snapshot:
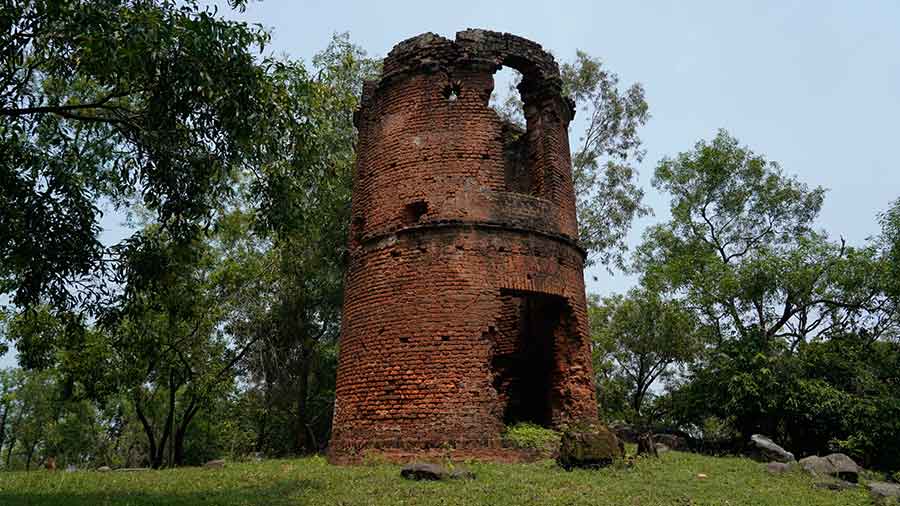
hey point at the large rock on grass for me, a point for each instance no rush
(883, 492)
(673, 441)
(625, 432)
(589, 446)
(836, 465)
(215, 464)
(765, 450)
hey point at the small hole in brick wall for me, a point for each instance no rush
(414, 211)
(445, 338)
(395, 253)
(452, 91)
(404, 339)
(359, 225)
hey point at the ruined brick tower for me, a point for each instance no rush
(464, 303)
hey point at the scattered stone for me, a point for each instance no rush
(816, 466)
(420, 471)
(673, 441)
(836, 485)
(882, 490)
(462, 473)
(701, 476)
(646, 446)
(764, 450)
(215, 464)
(590, 447)
(71, 468)
(836, 465)
(661, 448)
(844, 467)
(625, 432)
(778, 467)
(104, 469)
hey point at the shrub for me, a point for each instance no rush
(529, 436)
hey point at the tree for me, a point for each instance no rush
(172, 351)
(608, 198)
(303, 216)
(646, 335)
(889, 242)
(108, 102)
(741, 248)
(741, 252)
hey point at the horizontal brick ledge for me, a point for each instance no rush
(473, 225)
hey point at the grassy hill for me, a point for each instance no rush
(671, 480)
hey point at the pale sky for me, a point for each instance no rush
(813, 85)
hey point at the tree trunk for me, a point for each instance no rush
(263, 425)
(159, 458)
(301, 442)
(30, 455)
(148, 430)
(178, 441)
(638, 398)
(3, 425)
(9, 450)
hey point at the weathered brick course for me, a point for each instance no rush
(464, 303)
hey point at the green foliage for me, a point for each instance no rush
(669, 480)
(604, 162)
(802, 330)
(529, 436)
(116, 101)
(238, 271)
(643, 336)
(604, 165)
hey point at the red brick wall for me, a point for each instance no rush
(438, 233)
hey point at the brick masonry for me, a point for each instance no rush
(464, 302)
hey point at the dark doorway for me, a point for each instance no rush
(524, 360)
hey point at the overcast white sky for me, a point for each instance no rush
(814, 85)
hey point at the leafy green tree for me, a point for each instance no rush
(791, 313)
(303, 216)
(170, 351)
(646, 337)
(110, 102)
(608, 198)
(7, 385)
(741, 248)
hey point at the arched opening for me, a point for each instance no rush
(520, 125)
(506, 99)
(524, 360)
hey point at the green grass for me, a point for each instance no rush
(671, 480)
